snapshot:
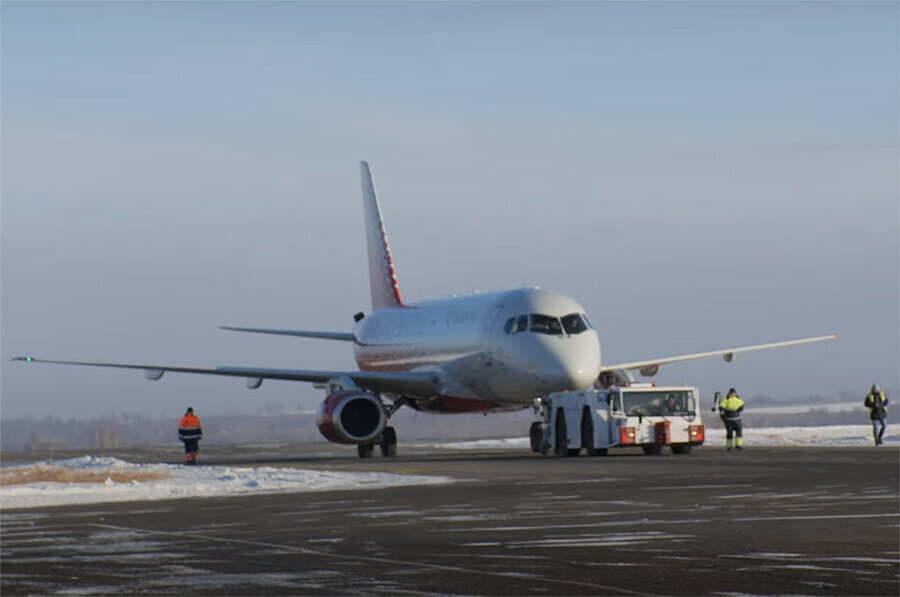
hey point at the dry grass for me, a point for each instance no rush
(53, 474)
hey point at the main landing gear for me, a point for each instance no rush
(387, 443)
(388, 440)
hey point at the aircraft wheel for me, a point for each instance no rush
(365, 450)
(545, 449)
(536, 435)
(388, 442)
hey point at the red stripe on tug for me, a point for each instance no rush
(662, 433)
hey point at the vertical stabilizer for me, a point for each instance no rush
(382, 277)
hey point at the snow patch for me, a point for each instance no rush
(185, 482)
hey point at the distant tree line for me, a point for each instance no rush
(272, 426)
(53, 433)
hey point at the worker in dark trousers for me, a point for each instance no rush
(730, 408)
(190, 432)
(877, 403)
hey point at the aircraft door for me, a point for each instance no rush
(487, 335)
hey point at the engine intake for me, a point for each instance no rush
(615, 377)
(351, 417)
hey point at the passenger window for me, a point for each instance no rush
(574, 324)
(509, 323)
(521, 324)
(545, 324)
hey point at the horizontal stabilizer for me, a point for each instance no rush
(345, 336)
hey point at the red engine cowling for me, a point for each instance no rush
(351, 417)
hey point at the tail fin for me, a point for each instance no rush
(382, 277)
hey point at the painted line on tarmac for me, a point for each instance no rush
(812, 517)
(652, 521)
(405, 563)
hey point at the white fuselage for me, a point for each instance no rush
(486, 362)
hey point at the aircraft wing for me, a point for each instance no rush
(650, 367)
(396, 382)
(347, 337)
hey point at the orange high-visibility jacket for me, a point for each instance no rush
(189, 427)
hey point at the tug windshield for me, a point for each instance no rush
(677, 402)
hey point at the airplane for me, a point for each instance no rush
(477, 353)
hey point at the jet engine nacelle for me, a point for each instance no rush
(615, 377)
(351, 417)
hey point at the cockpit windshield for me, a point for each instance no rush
(545, 324)
(574, 324)
(520, 325)
(514, 325)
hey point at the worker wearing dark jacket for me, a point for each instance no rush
(877, 403)
(730, 408)
(190, 432)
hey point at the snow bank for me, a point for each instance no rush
(833, 435)
(179, 481)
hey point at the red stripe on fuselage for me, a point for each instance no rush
(456, 405)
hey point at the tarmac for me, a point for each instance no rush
(764, 521)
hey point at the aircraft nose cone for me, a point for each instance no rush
(577, 367)
(582, 378)
(581, 373)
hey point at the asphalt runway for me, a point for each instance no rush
(765, 521)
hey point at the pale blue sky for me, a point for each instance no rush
(697, 175)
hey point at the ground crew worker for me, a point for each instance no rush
(877, 403)
(730, 408)
(190, 432)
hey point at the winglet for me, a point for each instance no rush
(382, 276)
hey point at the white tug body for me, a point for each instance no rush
(634, 415)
